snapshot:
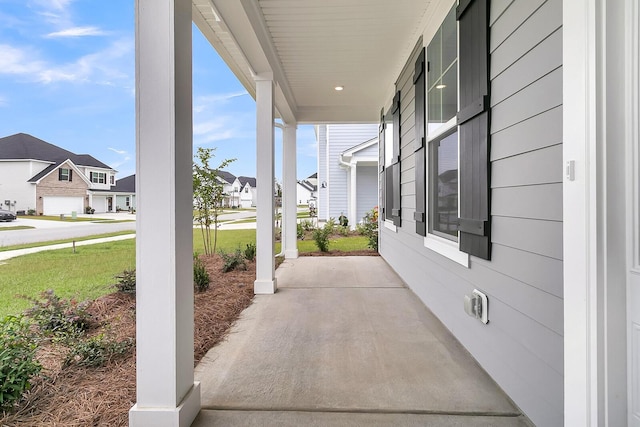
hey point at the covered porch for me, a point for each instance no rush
(345, 343)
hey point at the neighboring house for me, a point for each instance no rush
(305, 192)
(37, 175)
(247, 191)
(347, 170)
(230, 189)
(125, 193)
(534, 103)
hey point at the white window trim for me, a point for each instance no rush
(390, 225)
(445, 247)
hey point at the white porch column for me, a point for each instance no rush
(353, 194)
(265, 228)
(166, 392)
(289, 204)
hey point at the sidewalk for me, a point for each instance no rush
(344, 343)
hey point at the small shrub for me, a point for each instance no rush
(321, 237)
(250, 252)
(299, 231)
(31, 212)
(307, 225)
(126, 282)
(369, 228)
(331, 224)
(201, 279)
(96, 351)
(343, 231)
(343, 220)
(18, 364)
(58, 317)
(233, 261)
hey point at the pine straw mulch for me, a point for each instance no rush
(75, 396)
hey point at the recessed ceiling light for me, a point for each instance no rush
(339, 88)
(440, 86)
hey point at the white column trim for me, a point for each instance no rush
(167, 395)
(265, 282)
(579, 213)
(353, 194)
(289, 187)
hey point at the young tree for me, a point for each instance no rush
(208, 195)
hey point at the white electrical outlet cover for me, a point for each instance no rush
(484, 315)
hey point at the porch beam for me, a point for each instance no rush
(166, 392)
(265, 218)
(289, 184)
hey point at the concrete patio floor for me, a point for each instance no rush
(344, 343)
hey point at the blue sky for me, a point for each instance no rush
(67, 77)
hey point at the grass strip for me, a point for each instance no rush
(15, 227)
(55, 242)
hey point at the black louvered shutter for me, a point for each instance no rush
(70, 175)
(60, 174)
(473, 121)
(386, 201)
(420, 214)
(395, 168)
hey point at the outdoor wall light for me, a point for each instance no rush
(440, 86)
(339, 88)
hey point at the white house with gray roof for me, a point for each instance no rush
(37, 175)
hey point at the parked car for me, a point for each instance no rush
(6, 215)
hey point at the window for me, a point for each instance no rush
(246, 189)
(442, 135)
(390, 146)
(127, 201)
(98, 177)
(65, 174)
(452, 136)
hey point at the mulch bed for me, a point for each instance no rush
(78, 396)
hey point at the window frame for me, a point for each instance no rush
(446, 246)
(61, 174)
(97, 176)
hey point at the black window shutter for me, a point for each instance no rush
(420, 214)
(473, 121)
(395, 111)
(70, 175)
(60, 174)
(383, 181)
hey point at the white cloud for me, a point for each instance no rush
(3, 101)
(117, 164)
(204, 102)
(77, 32)
(106, 67)
(117, 151)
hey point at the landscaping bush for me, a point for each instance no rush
(369, 228)
(321, 237)
(307, 225)
(299, 231)
(126, 282)
(96, 351)
(18, 364)
(58, 317)
(250, 252)
(201, 279)
(233, 261)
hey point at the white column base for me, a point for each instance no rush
(265, 287)
(291, 254)
(182, 416)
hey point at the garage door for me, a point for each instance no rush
(62, 205)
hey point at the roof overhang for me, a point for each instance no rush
(310, 47)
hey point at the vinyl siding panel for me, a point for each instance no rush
(341, 138)
(367, 194)
(522, 346)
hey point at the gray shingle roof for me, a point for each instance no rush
(227, 176)
(244, 179)
(24, 146)
(126, 184)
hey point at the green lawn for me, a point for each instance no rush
(55, 242)
(89, 272)
(15, 227)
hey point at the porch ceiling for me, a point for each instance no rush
(311, 47)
